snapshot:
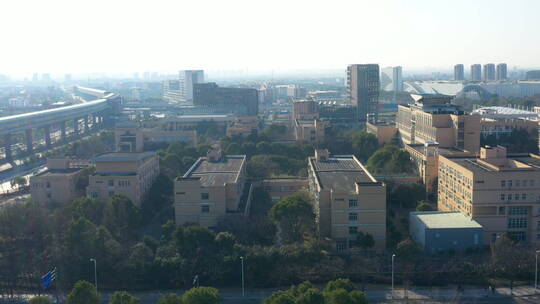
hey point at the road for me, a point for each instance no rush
(376, 294)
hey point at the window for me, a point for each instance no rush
(93, 194)
(517, 183)
(111, 183)
(502, 210)
(205, 209)
(48, 195)
(503, 197)
(519, 236)
(516, 196)
(510, 183)
(111, 193)
(520, 222)
(48, 185)
(538, 237)
(523, 196)
(518, 210)
(503, 184)
(353, 217)
(341, 246)
(524, 183)
(353, 203)
(204, 196)
(353, 230)
(509, 197)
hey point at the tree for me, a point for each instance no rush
(365, 240)
(294, 216)
(19, 181)
(364, 144)
(424, 206)
(170, 299)
(345, 284)
(390, 159)
(201, 295)
(122, 297)
(40, 300)
(84, 293)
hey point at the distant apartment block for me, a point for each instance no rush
(476, 72)
(212, 188)
(243, 126)
(459, 72)
(347, 199)
(129, 137)
(59, 184)
(502, 71)
(499, 191)
(392, 79)
(130, 174)
(532, 75)
(311, 131)
(240, 101)
(172, 92)
(307, 109)
(363, 87)
(187, 80)
(489, 72)
(385, 132)
(432, 118)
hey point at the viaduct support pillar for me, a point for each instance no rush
(75, 127)
(86, 127)
(63, 131)
(29, 141)
(7, 146)
(47, 135)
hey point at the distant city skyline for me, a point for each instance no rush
(61, 36)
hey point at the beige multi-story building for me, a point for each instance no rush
(309, 130)
(279, 188)
(210, 189)
(384, 131)
(432, 118)
(347, 199)
(129, 137)
(128, 173)
(305, 110)
(499, 191)
(426, 158)
(59, 184)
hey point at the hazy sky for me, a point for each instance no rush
(60, 36)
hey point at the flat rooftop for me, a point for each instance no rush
(217, 173)
(442, 150)
(340, 173)
(445, 220)
(59, 172)
(123, 156)
(517, 163)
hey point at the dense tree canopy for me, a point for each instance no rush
(340, 291)
(122, 297)
(364, 144)
(390, 159)
(294, 216)
(84, 293)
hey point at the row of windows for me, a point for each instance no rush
(520, 222)
(517, 183)
(516, 197)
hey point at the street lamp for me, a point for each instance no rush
(393, 257)
(95, 272)
(243, 293)
(536, 271)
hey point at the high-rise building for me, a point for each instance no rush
(172, 91)
(502, 71)
(489, 72)
(188, 78)
(391, 79)
(459, 72)
(476, 72)
(363, 87)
